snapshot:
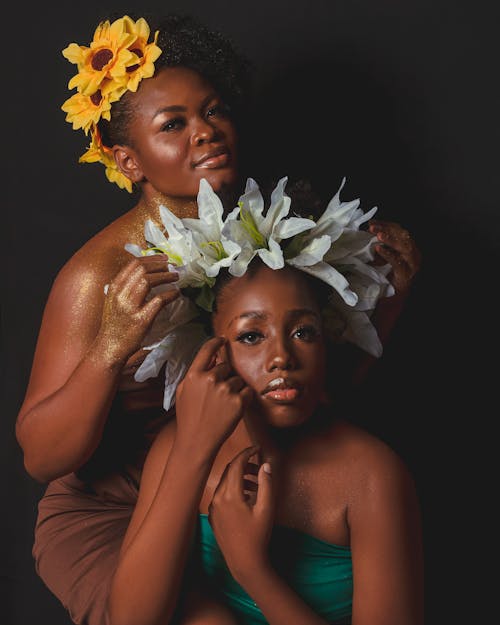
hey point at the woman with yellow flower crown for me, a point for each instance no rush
(162, 106)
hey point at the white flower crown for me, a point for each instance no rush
(333, 249)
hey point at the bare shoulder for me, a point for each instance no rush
(95, 263)
(379, 479)
(77, 292)
(73, 309)
(371, 464)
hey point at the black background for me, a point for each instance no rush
(402, 98)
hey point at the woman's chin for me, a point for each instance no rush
(222, 180)
(286, 416)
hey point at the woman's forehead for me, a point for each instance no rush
(266, 291)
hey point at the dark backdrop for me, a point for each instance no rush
(400, 97)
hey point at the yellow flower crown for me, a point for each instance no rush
(118, 58)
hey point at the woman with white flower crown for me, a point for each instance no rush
(298, 516)
(162, 106)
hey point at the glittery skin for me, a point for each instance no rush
(95, 265)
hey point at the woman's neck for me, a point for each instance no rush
(148, 206)
(275, 442)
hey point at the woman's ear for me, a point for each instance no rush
(127, 163)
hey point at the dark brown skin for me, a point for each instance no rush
(79, 347)
(180, 133)
(180, 122)
(320, 475)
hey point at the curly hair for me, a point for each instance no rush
(186, 42)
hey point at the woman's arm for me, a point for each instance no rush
(386, 545)
(209, 404)
(84, 341)
(242, 524)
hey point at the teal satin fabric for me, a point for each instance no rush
(320, 572)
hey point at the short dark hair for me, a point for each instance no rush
(186, 42)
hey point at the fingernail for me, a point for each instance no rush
(267, 468)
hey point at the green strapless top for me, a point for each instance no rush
(320, 572)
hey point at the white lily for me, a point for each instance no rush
(177, 349)
(215, 250)
(333, 249)
(182, 252)
(259, 234)
(370, 284)
(334, 242)
(181, 249)
(173, 337)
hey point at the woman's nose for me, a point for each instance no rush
(281, 356)
(203, 132)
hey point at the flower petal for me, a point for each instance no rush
(313, 252)
(273, 257)
(331, 276)
(279, 208)
(291, 227)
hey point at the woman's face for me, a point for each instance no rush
(275, 342)
(181, 132)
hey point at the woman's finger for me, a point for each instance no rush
(135, 289)
(155, 262)
(123, 275)
(234, 476)
(249, 486)
(252, 468)
(395, 236)
(220, 371)
(205, 358)
(265, 500)
(391, 256)
(134, 361)
(150, 309)
(235, 383)
(161, 277)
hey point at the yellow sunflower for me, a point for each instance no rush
(145, 54)
(108, 56)
(99, 153)
(82, 110)
(118, 58)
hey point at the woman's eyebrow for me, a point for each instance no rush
(174, 108)
(261, 315)
(180, 108)
(250, 314)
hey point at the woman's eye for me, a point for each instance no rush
(306, 333)
(173, 124)
(218, 110)
(250, 338)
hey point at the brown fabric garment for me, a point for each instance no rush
(78, 535)
(82, 517)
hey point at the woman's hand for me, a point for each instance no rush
(127, 314)
(242, 513)
(210, 401)
(399, 250)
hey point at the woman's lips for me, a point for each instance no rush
(283, 394)
(214, 162)
(281, 390)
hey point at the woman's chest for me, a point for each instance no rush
(310, 495)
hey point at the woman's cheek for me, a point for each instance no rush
(246, 364)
